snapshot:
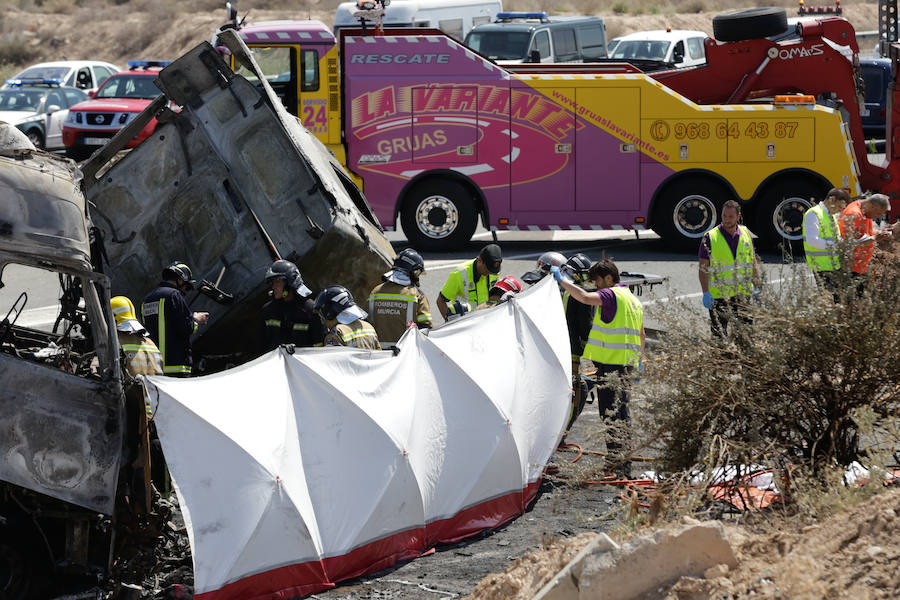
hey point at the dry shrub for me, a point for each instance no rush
(809, 387)
(694, 6)
(64, 7)
(141, 32)
(15, 50)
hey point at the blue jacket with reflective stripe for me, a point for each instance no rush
(170, 322)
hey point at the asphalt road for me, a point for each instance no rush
(645, 253)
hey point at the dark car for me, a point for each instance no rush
(876, 73)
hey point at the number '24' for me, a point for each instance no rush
(314, 115)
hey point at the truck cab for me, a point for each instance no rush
(299, 60)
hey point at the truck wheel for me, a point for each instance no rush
(438, 215)
(749, 24)
(779, 215)
(35, 137)
(688, 209)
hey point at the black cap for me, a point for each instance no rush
(492, 258)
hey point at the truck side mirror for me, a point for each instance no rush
(678, 53)
(534, 56)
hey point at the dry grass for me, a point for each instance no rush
(119, 30)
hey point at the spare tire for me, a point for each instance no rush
(749, 24)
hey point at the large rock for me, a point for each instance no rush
(605, 571)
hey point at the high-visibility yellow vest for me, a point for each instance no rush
(618, 342)
(823, 259)
(730, 275)
(461, 284)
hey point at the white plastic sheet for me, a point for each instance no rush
(297, 471)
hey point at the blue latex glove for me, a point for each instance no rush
(640, 366)
(707, 300)
(557, 274)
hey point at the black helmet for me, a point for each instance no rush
(285, 269)
(336, 302)
(544, 262)
(578, 267)
(179, 270)
(410, 262)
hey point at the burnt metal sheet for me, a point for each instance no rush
(226, 184)
(60, 435)
(42, 209)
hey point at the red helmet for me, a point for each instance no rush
(508, 283)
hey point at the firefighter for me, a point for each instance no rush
(616, 339)
(505, 288)
(169, 320)
(398, 301)
(289, 317)
(579, 318)
(821, 235)
(344, 320)
(544, 262)
(472, 280)
(142, 357)
(729, 270)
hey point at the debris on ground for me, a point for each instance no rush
(850, 555)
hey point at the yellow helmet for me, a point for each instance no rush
(123, 311)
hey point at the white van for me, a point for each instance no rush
(677, 47)
(453, 17)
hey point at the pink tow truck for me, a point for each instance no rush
(438, 136)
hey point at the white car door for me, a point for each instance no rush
(55, 119)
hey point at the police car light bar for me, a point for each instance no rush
(506, 16)
(32, 81)
(147, 64)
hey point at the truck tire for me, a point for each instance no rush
(749, 24)
(438, 215)
(687, 209)
(779, 213)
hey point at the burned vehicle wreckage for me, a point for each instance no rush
(228, 183)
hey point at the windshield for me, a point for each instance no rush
(642, 49)
(129, 86)
(58, 73)
(499, 45)
(23, 100)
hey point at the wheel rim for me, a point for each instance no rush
(437, 217)
(694, 215)
(35, 139)
(787, 218)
